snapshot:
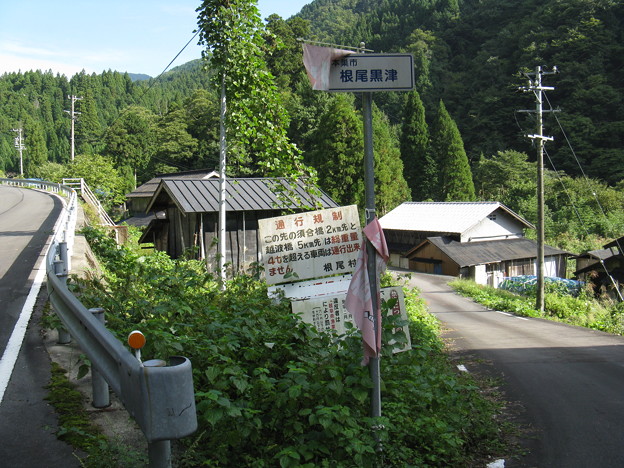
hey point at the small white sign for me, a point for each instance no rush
(310, 245)
(329, 312)
(372, 72)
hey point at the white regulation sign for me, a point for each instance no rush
(310, 245)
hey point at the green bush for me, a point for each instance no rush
(558, 305)
(273, 391)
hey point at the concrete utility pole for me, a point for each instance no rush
(19, 144)
(535, 85)
(72, 113)
(222, 183)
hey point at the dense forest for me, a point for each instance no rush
(458, 136)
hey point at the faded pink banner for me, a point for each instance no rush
(359, 298)
(317, 61)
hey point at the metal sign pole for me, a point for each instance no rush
(369, 184)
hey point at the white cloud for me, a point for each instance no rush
(13, 63)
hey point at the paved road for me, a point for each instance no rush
(569, 380)
(27, 422)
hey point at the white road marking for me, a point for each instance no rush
(497, 464)
(11, 352)
(510, 315)
(462, 368)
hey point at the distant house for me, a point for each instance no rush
(188, 224)
(603, 269)
(480, 240)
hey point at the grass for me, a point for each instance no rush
(583, 311)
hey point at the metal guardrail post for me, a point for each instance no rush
(60, 270)
(159, 454)
(99, 386)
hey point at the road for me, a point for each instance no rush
(568, 380)
(28, 423)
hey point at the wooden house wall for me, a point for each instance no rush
(242, 242)
(430, 259)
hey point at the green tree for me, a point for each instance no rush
(391, 189)
(421, 170)
(174, 145)
(505, 176)
(256, 120)
(338, 155)
(447, 147)
(202, 110)
(130, 140)
(88, 129)
(36, 150)
(284, 50)
(100, 175)
(50, 171)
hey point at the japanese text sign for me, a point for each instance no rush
(329, 313)
(372, 72)
(310, 245)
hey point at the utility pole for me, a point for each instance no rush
(72, 113)
(222, 183)
(535, 85)
(19, 144)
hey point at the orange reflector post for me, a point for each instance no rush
(136, 339)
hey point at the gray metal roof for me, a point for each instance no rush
(450, 217)
(148, 189)
(479, 253)
(242, 194)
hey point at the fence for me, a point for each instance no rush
(85, 192)
(159, 396)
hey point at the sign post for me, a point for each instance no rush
(367, 73)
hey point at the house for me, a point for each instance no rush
(480, 240)
(603, 269)
(137, 200)
(486, 262)
(189, 209)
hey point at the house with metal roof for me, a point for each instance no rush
(480, 240)
(139, 198)
(487, 262)
(188, 224)
(603, 269)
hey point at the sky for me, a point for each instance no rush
(135, 36)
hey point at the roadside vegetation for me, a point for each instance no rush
(583, 310)
(273, 391)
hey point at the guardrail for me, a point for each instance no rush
(158, 396)
(85, 192)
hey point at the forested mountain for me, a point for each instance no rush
(470, 52)
(468, 55)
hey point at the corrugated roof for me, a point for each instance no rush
(242, 194)
(149, 188)
(450, 217)
(479, 253)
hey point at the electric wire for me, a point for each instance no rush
(146, 90)
(604, 214)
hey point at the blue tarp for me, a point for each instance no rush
(527, 283)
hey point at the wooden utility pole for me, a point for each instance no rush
(72, 114)
(535, 85)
